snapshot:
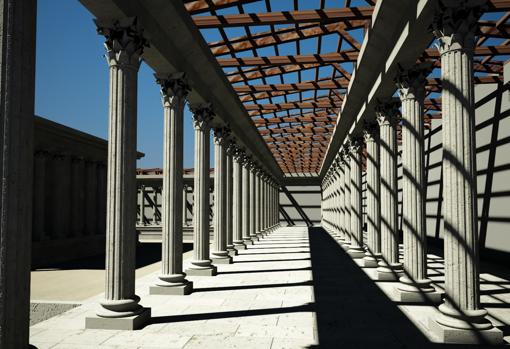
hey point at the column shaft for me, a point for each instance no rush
(172, 280)
(237, 201)
(246, 211)
(356, 246)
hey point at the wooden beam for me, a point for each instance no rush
(334, 57)
(300, 86)
(284, 17)
(292, 105)
(201, 6)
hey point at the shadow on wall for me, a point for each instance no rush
(300, 205)
(493, 171)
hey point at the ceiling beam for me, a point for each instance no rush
(292, 105)
(201, 6)
(300, 86)
(334, 57)
(284, 17)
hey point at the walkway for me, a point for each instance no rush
(293, 289)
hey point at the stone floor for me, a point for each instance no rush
(294, 289)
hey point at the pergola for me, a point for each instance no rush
(295, 94)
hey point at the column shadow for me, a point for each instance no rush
(351, 311)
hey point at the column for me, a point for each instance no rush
(156, 189)
(17, 46)
(172, 280)
(237, 200)
(253, 202)
(90, 197)
(414, 284)
(184, 205)
(120, 309)
(101, 198)
(78, 196)
(39, 196)
(390, 267)
(356, 246)
(371, 136)
(246, 214)
(336, 199)
(341, 198)
(201, 264)
(347, 193)
(230, 149)
(461, 318)
(263, 206)
(220, 254)
(141, 205)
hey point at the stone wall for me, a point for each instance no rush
(69, 196)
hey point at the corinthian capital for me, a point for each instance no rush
(370, 132)
(173, 87)
(411, 82)
(124, 41)
(221, 135)
(455, 24)
(355, 145)
(387, 112)
(202, 115)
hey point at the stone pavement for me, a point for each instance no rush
(296, 288)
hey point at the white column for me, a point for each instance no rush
(124, 45)
(371, 136)
(414, 284)
(201, 263)
(253, 202)
(220, 254)
(341, 199)
(237, 200)
(172, 280)
(461, 320)
(356, 246)
(345, 155)
(390, 267)
(229, 198)
(246, 214)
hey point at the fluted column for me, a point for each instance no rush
(414, 284)
(345, 155)
(184, 206)
(77, 196)
(229, 192)
(253, 202)
(371, 136)
(246, 214)
(201, 263)
(237, 200)
(220, 254)
(124, 45)
(388, 117)
(256, 201)
(39, 196)
(341, 199)
(461, 319)
(17, 49)
(356, 246)
(172, 280)
(141, 205)
(91, 197)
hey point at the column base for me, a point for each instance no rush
(417, 292)
(240, 246)
(179, 290)
(254, 238)
(445, 334)
(222, 260)
(356, 252)
(128, 323)
(369, 261)
(209, 271)
(248, 242)
(389, 273)
(233, 252)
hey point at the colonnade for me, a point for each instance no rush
(460, 319)
(246, 196)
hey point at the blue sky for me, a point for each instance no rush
(72, 81)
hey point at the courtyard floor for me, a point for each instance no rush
(296, 288)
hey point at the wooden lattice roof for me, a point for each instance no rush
(290, 62)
